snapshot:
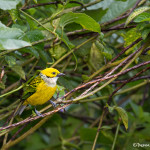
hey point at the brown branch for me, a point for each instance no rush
(118, 28)
(110, 97)
(135, 79)
(13, 137)
(59, 108)
(42, 4)
(104, 78)
(33, 118)
(136, 4)
(125, 49)
(79, 87)
(122, 17)
(145, 93)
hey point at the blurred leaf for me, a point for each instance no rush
(14, 14)
(96, 57)
(59, 92)
(8, 4)
(18, 69)
(9, 44)
(10, 33)
(135, 13)
(2, 25)
(2, 82)
(142, 17)
(83, 51)
(10, 60)
(123, 115)
(10, 39)
(57, 51)
(129, 37)
(88, 134)
(135, 108)
(111, 109)
(96, 14)
(44, 56)
(35, 1)
(85, 77)
(64, 38)
(106, 127)
(32, 24)
(2, 85)
(31, 50)
(66, 83)
(115, 8)
(37, 140)
(35, 35)
(84, 20)
(145, 33)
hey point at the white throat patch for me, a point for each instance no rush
(50, 81)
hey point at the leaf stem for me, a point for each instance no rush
(116, 134)
(38, 22)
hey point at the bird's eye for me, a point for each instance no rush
(53, 72)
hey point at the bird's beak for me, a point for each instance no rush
(60, 74)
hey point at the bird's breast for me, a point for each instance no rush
(42, 94)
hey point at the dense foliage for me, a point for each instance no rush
(103, 48)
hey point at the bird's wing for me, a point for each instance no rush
(31, 88)
(35, 82)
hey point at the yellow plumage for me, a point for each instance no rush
(44, 86)
(42, 95)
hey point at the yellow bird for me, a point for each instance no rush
(44, 87)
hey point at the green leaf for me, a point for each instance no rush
(18, 69)
(10, 33)
(31, 50)
(115, 8)
(2, 85)
(10, 60)
(2, 82)
(145, 33)
(136, 13)
(8, 4)
(36, 35)
(32, 24)
(2, 25)
(44, 56)
(64, 38)
(85, 77)
(84, 20)
(88, 134)
(142, 17)
(123, 115)
(111, 109)
(59, 92)
(66, 83)
(14, 14)
(9, 44)
(11, 39)
(35, 1)
(96, 57)
(129, 37)
(57, 51)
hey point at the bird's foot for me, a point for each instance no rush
(38, 113)
(53, 103)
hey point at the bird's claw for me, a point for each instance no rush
(53, 103)
(38, 113)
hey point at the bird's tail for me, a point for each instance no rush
(20, 110)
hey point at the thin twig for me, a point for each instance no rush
(34, 118)
(105, 78)
(42, 4)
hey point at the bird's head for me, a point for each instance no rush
(50, 76)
